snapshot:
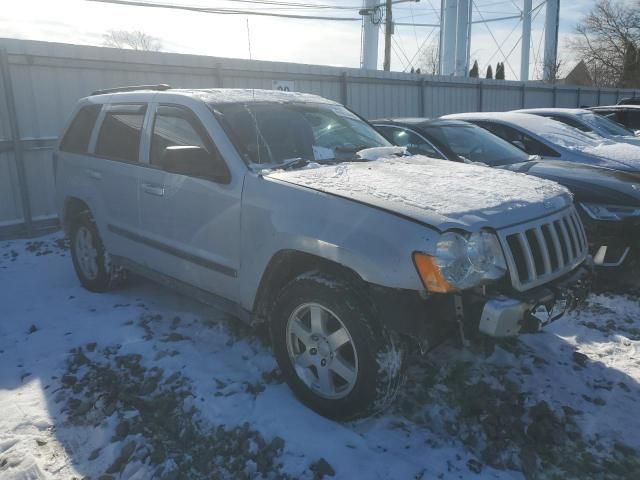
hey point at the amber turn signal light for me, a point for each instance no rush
(430, 274)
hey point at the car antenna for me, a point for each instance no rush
(253, 92)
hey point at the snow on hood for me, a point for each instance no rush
(441, 193)
(623, 153)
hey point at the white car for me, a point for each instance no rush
(588, 122)
(290, 210)
(553, 140)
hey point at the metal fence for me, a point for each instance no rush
(40, 82)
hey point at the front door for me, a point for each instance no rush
(190, 224)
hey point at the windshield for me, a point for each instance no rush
(476, 144)
(274, 133)
(606, 124)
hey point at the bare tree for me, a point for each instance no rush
(134, 40)
(604, 35)
(557, 69)
(429, 62)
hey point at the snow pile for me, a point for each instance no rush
(416, 184)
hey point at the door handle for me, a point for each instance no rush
(93, 174)
(152, 189)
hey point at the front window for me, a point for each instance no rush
(476, 144)
(274, 133)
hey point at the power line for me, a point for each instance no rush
(223, 11)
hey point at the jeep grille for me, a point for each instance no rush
(543, 250)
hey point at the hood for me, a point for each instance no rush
(439, 193)
(588, 183)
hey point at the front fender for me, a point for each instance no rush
(375, 244)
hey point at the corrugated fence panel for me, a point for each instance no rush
(49, 78)
(500, 98)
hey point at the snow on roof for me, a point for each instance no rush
(242, 95)
(616, 107)
(570, 111)
(549, 129)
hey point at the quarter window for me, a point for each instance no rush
(119, 137)
(76, 140)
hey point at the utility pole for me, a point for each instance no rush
(388, 31)
(551, 40)
(372, 16)
(526, 41)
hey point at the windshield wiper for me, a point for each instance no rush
(290, 163)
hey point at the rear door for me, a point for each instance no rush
(116, 147)
(191, 224)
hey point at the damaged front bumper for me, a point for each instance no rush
(507, 316)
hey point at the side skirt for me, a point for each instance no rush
(208, 298)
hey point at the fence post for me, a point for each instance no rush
(218, 76)
(617, 95)
(18, 153)
(423, 107)
(599, 96)
(480, 96)
(523, 99)
(555, 96)
(579, 96)
(343, 88)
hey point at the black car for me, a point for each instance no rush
(609, 199)
(627, 115)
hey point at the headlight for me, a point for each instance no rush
(461, 262)
(599, 211)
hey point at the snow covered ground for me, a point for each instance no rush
(142, 383)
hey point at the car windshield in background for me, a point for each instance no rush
(276, 133)
(607, 124)
(476, 144)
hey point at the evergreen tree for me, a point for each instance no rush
(489, 72)
(474, 72)
(500, 71)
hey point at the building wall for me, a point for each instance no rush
(48, 78)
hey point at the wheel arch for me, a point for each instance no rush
(284, 266)
(73, 207)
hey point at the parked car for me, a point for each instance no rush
(588, 122)
(629, 101)
(627, 115)
(289, 209)
(609, 200)
(549, 139)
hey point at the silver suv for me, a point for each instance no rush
(290, 209)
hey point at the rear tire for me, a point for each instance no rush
(90, 258)
(335, 356)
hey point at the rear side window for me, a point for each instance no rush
(76, 139)
(571, 122)
(120, 133)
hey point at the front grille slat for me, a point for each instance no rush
(574, 236)
(556, 244)
(528, 255)
(544, 250)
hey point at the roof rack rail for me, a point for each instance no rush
(132, 88)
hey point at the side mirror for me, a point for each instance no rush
(193, 161)
(519, 144)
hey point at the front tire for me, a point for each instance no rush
(333, 353)
(90, 259)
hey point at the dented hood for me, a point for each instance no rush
(439, 193)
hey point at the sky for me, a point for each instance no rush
(323, 42)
